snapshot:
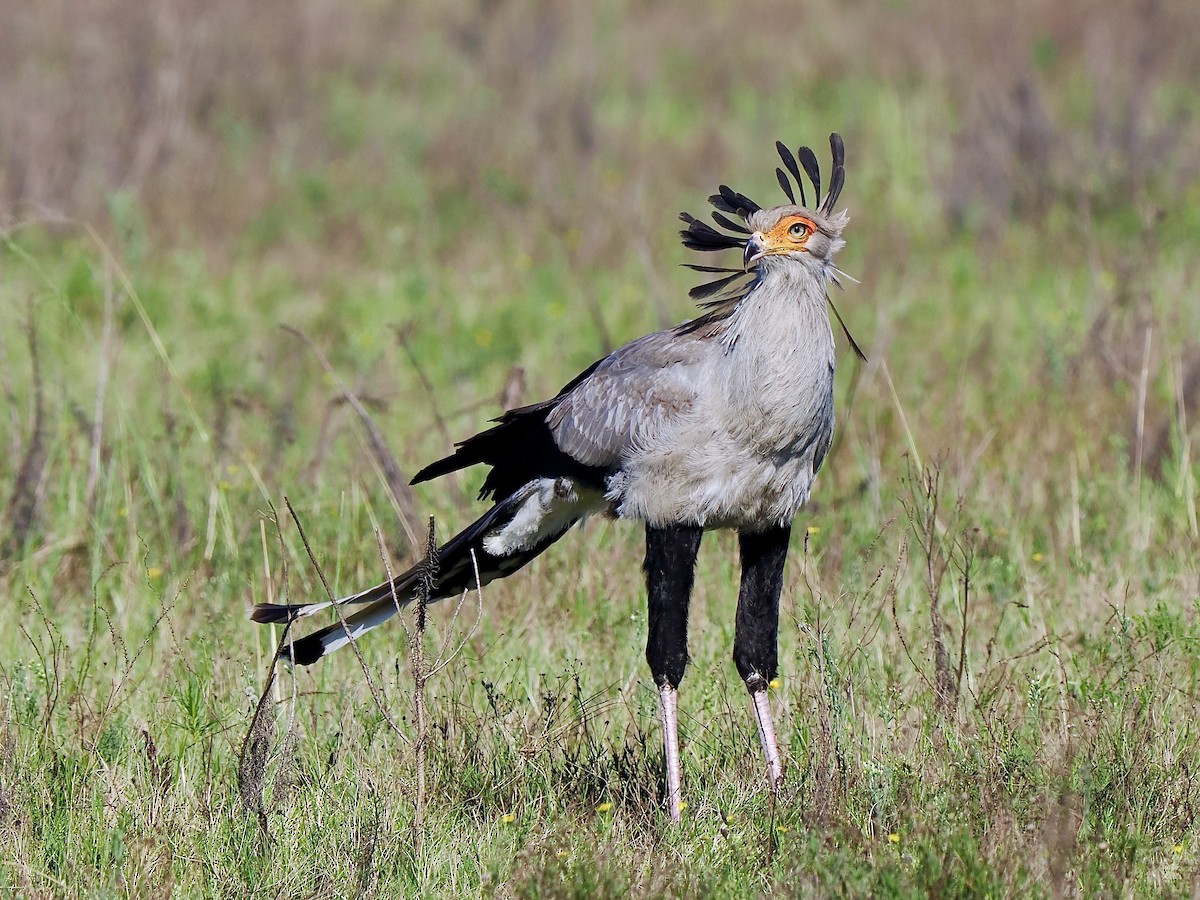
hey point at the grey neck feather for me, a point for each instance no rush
(784, 312)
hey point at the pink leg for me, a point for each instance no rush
(766, 735)
(669, 698)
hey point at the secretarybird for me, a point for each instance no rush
(721, 422)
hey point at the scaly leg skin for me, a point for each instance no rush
(766, 735)
(669, 699)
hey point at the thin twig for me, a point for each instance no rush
(1140, 425)
(912, 443)
(397, 482)
(379, 705)
(24, 500)
(443, 660)
(901, 557)
(105, 362)
(968, 558)
(426, 384)
(425, 584)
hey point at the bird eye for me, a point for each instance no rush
(798, 231)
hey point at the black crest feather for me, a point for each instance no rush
(790, 161)
(736, 203)
(708, 289)
(705, 238)
(719, 202)
(734, 283)
(726, 222)
(812, 169)
(837, 178)
(695, 267)
(785, 185)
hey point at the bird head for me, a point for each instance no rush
(776, 237)
(793, 235)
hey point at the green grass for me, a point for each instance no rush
(1031, 478)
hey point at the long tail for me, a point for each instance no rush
(503, 540)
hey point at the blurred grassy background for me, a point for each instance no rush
(461, 205)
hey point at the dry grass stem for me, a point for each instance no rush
(396, 480)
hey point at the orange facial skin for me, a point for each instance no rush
(785, 237)
(789, 235)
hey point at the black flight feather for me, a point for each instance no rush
(518, 448)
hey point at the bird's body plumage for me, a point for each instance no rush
(720, 422)
(725, 428)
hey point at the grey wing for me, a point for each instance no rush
(634, 396)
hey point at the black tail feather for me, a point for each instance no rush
(267, 613)
(310, 648)
(464, 565)
(305, 651)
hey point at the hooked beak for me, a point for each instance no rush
(756, 248)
